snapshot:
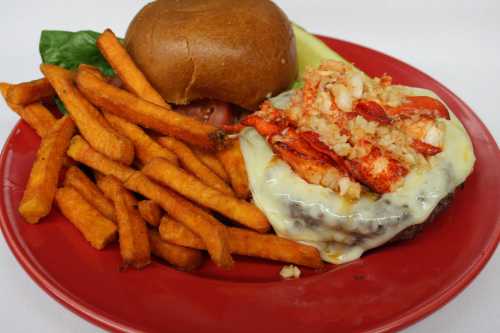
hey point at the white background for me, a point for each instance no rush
(455, 41)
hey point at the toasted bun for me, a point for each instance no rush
(237, 51)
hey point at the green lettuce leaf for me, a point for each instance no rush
(60, 105)
(70, 49)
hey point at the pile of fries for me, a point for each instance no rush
(156, 176)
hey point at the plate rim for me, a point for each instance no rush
(404, 320)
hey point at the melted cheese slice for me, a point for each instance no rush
(340, 229)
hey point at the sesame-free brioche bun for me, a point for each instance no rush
(236, 51)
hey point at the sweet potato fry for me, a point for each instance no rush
(203, 224)
(176, 233)
(211, 161)
(89, 191)
(42, 183)
(146, 148)
(133, 232)
(97, 229)
(133, 79)
(38, 117)
(92, 125)
(81, 151)
(193, 164)
(35, 115)
(181, 257)
(92, 70)
(240, 211)
(150, 212)
(109, 185)
(247, 243)
(138, 111)
(234, 164)
(29, 92)
(4, 87)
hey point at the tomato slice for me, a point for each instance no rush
(213, 112)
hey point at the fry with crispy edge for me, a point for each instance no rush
(247, 243)
(240, 211)
(92, 70)
(29, 92)
(234, 164)
(211, 161)
(89, 121)
(4, 87)
(38, 117)
(95, 227)
(42, 183)
(146, 148)
(109, 185)
(35, 115)
(138, 111)
(183, 258)
(194, 165)
(89, 191)
(132, 231)
(133, 79)
(150, 212)
(203, 224)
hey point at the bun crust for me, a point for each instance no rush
(232, 51)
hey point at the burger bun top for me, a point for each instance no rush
(232, 51)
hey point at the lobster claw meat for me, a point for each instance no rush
(377, 170)
(372, 111)
(295, 142)
(419, 105)
(313, 139)
(233, 128)
(425, 148)
(264, 127)
(312, 165)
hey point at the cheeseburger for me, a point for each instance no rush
(348, 162)
(344, 163)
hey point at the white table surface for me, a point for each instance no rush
(455, 41)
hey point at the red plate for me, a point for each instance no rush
(387, 289)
